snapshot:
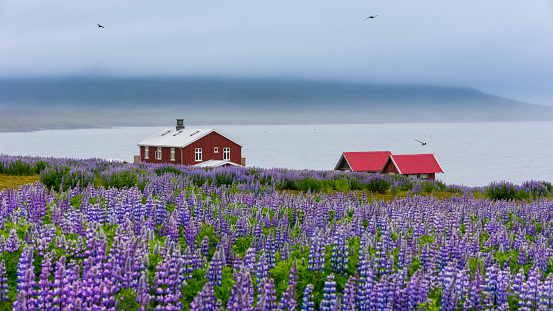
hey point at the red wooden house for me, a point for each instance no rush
(366, 161)
(180, 145)
(423, 166)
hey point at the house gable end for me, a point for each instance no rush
(342, 164)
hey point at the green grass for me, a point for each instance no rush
(9, 181)
(388, 196)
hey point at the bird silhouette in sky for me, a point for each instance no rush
(372, 16)
(100, 26)
(422, 142)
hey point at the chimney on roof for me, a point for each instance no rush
(180, 124)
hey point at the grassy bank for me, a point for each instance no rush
(9, 181)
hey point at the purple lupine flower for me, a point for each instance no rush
(522, 256)
(448, 274)
(241, 295)
(174, 282)
(366, 281)
(161, 212)
(350, 292)
(507, 263)
(340, 251)
(261, 270)
(267, 295)
(285, 251)
(235, 260)
(199, 261)
(524, 303)
(475, 295)
(190, 233)
(2, 244)
(462, 284)
(12, 245)
(143, 291)
(162, 229)
(239, 231)
(307, 302)
(26, 279)
(449, 298)
(214, 272)
(546, 293)
(517, 283)
(168, 246)
(541, 259)
(59, 301)
(316, 254)
(534, 284)
(329, 294)
(444, 255)
(45, 293)
(503, 307)
(205, 300)
(261, 300)
(204, 246)
(168, 281)
(413, 291)
(249, 259)
(503, 282)
(172, 228)
(21, 303)
(3, 282)
(381, 293)
(188, 263)
(424, 257)
(288, 301)
(270, 249)
(161, 280)
(293, 276)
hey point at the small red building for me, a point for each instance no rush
(180, 145)
(423, 166)
(366, 161)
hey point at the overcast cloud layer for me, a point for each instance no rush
(503, 47)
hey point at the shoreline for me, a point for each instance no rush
(25, 121)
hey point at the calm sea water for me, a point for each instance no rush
(472, 154)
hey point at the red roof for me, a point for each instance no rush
(416, 163)
(367, 161)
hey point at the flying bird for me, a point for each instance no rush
(372, 16)
(422, 143)
(100, 26)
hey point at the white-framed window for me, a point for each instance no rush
(158, 153)
(172, 154)
(146, 152)
(412, 176)
(226, 153)
(423, 176)
(216, 150)
(198, 154)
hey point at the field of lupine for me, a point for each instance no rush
(97, 235)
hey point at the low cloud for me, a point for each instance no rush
(502, 47)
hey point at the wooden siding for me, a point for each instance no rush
(344, 166)
(389, 167)
(165, 155)
(207, 143)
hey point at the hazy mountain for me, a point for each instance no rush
(33, 104)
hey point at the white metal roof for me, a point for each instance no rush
(170, 137)
(216, 163)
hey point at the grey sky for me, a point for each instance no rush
(503, 47)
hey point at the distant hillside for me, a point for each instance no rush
(33, 104)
